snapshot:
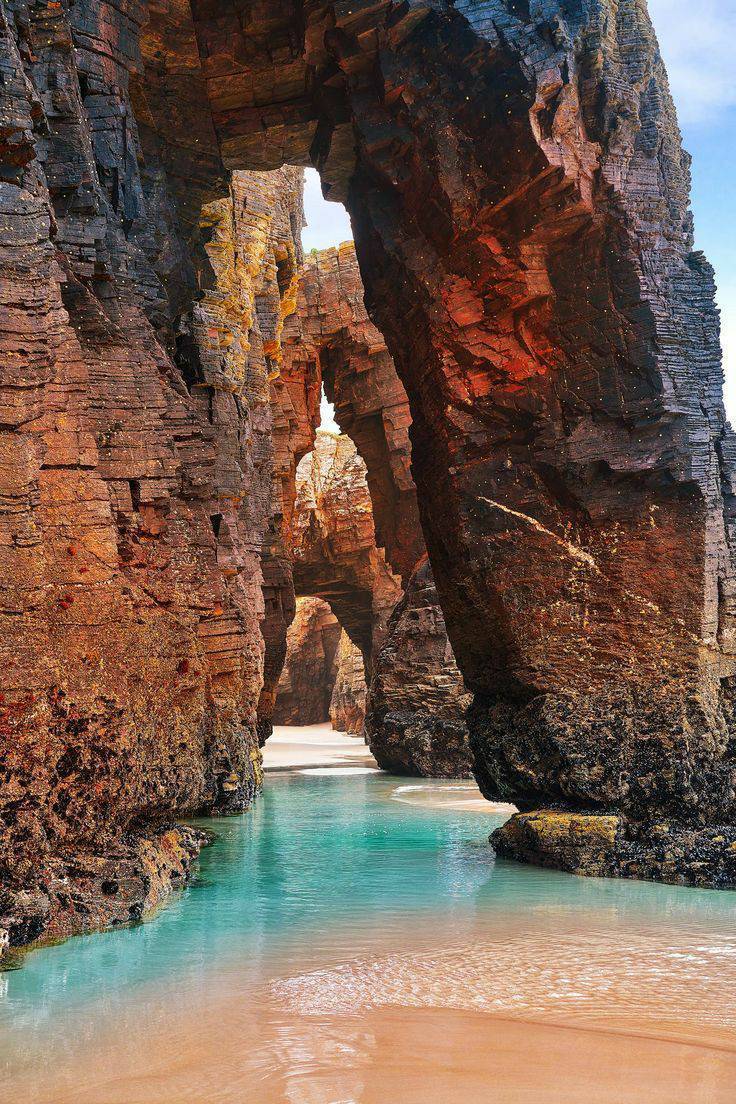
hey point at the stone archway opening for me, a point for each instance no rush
(504, 171)
(519, 200)
(323, 679)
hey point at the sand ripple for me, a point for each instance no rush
(689, 981)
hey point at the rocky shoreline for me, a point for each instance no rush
(91, 891)
(605, 846)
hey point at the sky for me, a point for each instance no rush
(327, 223)
(698, 41)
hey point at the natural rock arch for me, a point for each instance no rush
(334, 552)
(324, 674)
(520, 202)
(519, 197)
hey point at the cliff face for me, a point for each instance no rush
(136, 476)
(417, 703)
(331, 340)
(334, 542)
(307, 681)
(348, 703)
(519, 197)
(323, 676)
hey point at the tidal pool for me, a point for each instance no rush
(352, 940)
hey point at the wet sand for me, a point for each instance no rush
(294, 747)
(509, 985)
(461, 794)
(320, 747)
(244, 1049)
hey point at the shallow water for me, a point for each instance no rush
(352, 939)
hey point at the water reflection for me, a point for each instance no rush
(337, 896)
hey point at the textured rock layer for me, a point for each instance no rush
(416, 710)
(519, 197)
(334, 542)
(324, 675)
(331, 340)
(135, 470)
(308, 679)
(347, 706)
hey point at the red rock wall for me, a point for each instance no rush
(308, 678)
(334, 542)
(347, 707)
(330, 338)
(331, 341)
(323, 677)
(415, 721)
(135, 468)
(519, 199)
(520, 203)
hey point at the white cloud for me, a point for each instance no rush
(327, 223)
(697, 39)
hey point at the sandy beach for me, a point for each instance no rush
(297, 746)
(421, 1056)
(320, 747)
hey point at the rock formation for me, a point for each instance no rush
(334, 542)
(324, 676)
(519, 197)
(519, 194)
(330, 339)
(347, 706)
(308, 679)
(417, 703)
(135, 475)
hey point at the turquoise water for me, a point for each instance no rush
(349, 892)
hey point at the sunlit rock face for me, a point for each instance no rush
(519, 197)
(135, 472)
(334, 542)
(347, 705)
(308, 678)
(323, 677)
(330, 339)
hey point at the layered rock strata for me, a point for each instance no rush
(330, 340)
(335, 557)
(323, 677)
(519, 197)
(415, 722)
(308, 679)
(135, 475)
(348, 702)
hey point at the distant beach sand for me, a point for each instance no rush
(296, 746)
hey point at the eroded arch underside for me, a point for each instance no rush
(519, 197)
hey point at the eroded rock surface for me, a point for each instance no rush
(330, 339)
(334, 542)
(519, 197)
(324, 676)
(416, 708)
(308, 678)
(347, 706)
(135, 469)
